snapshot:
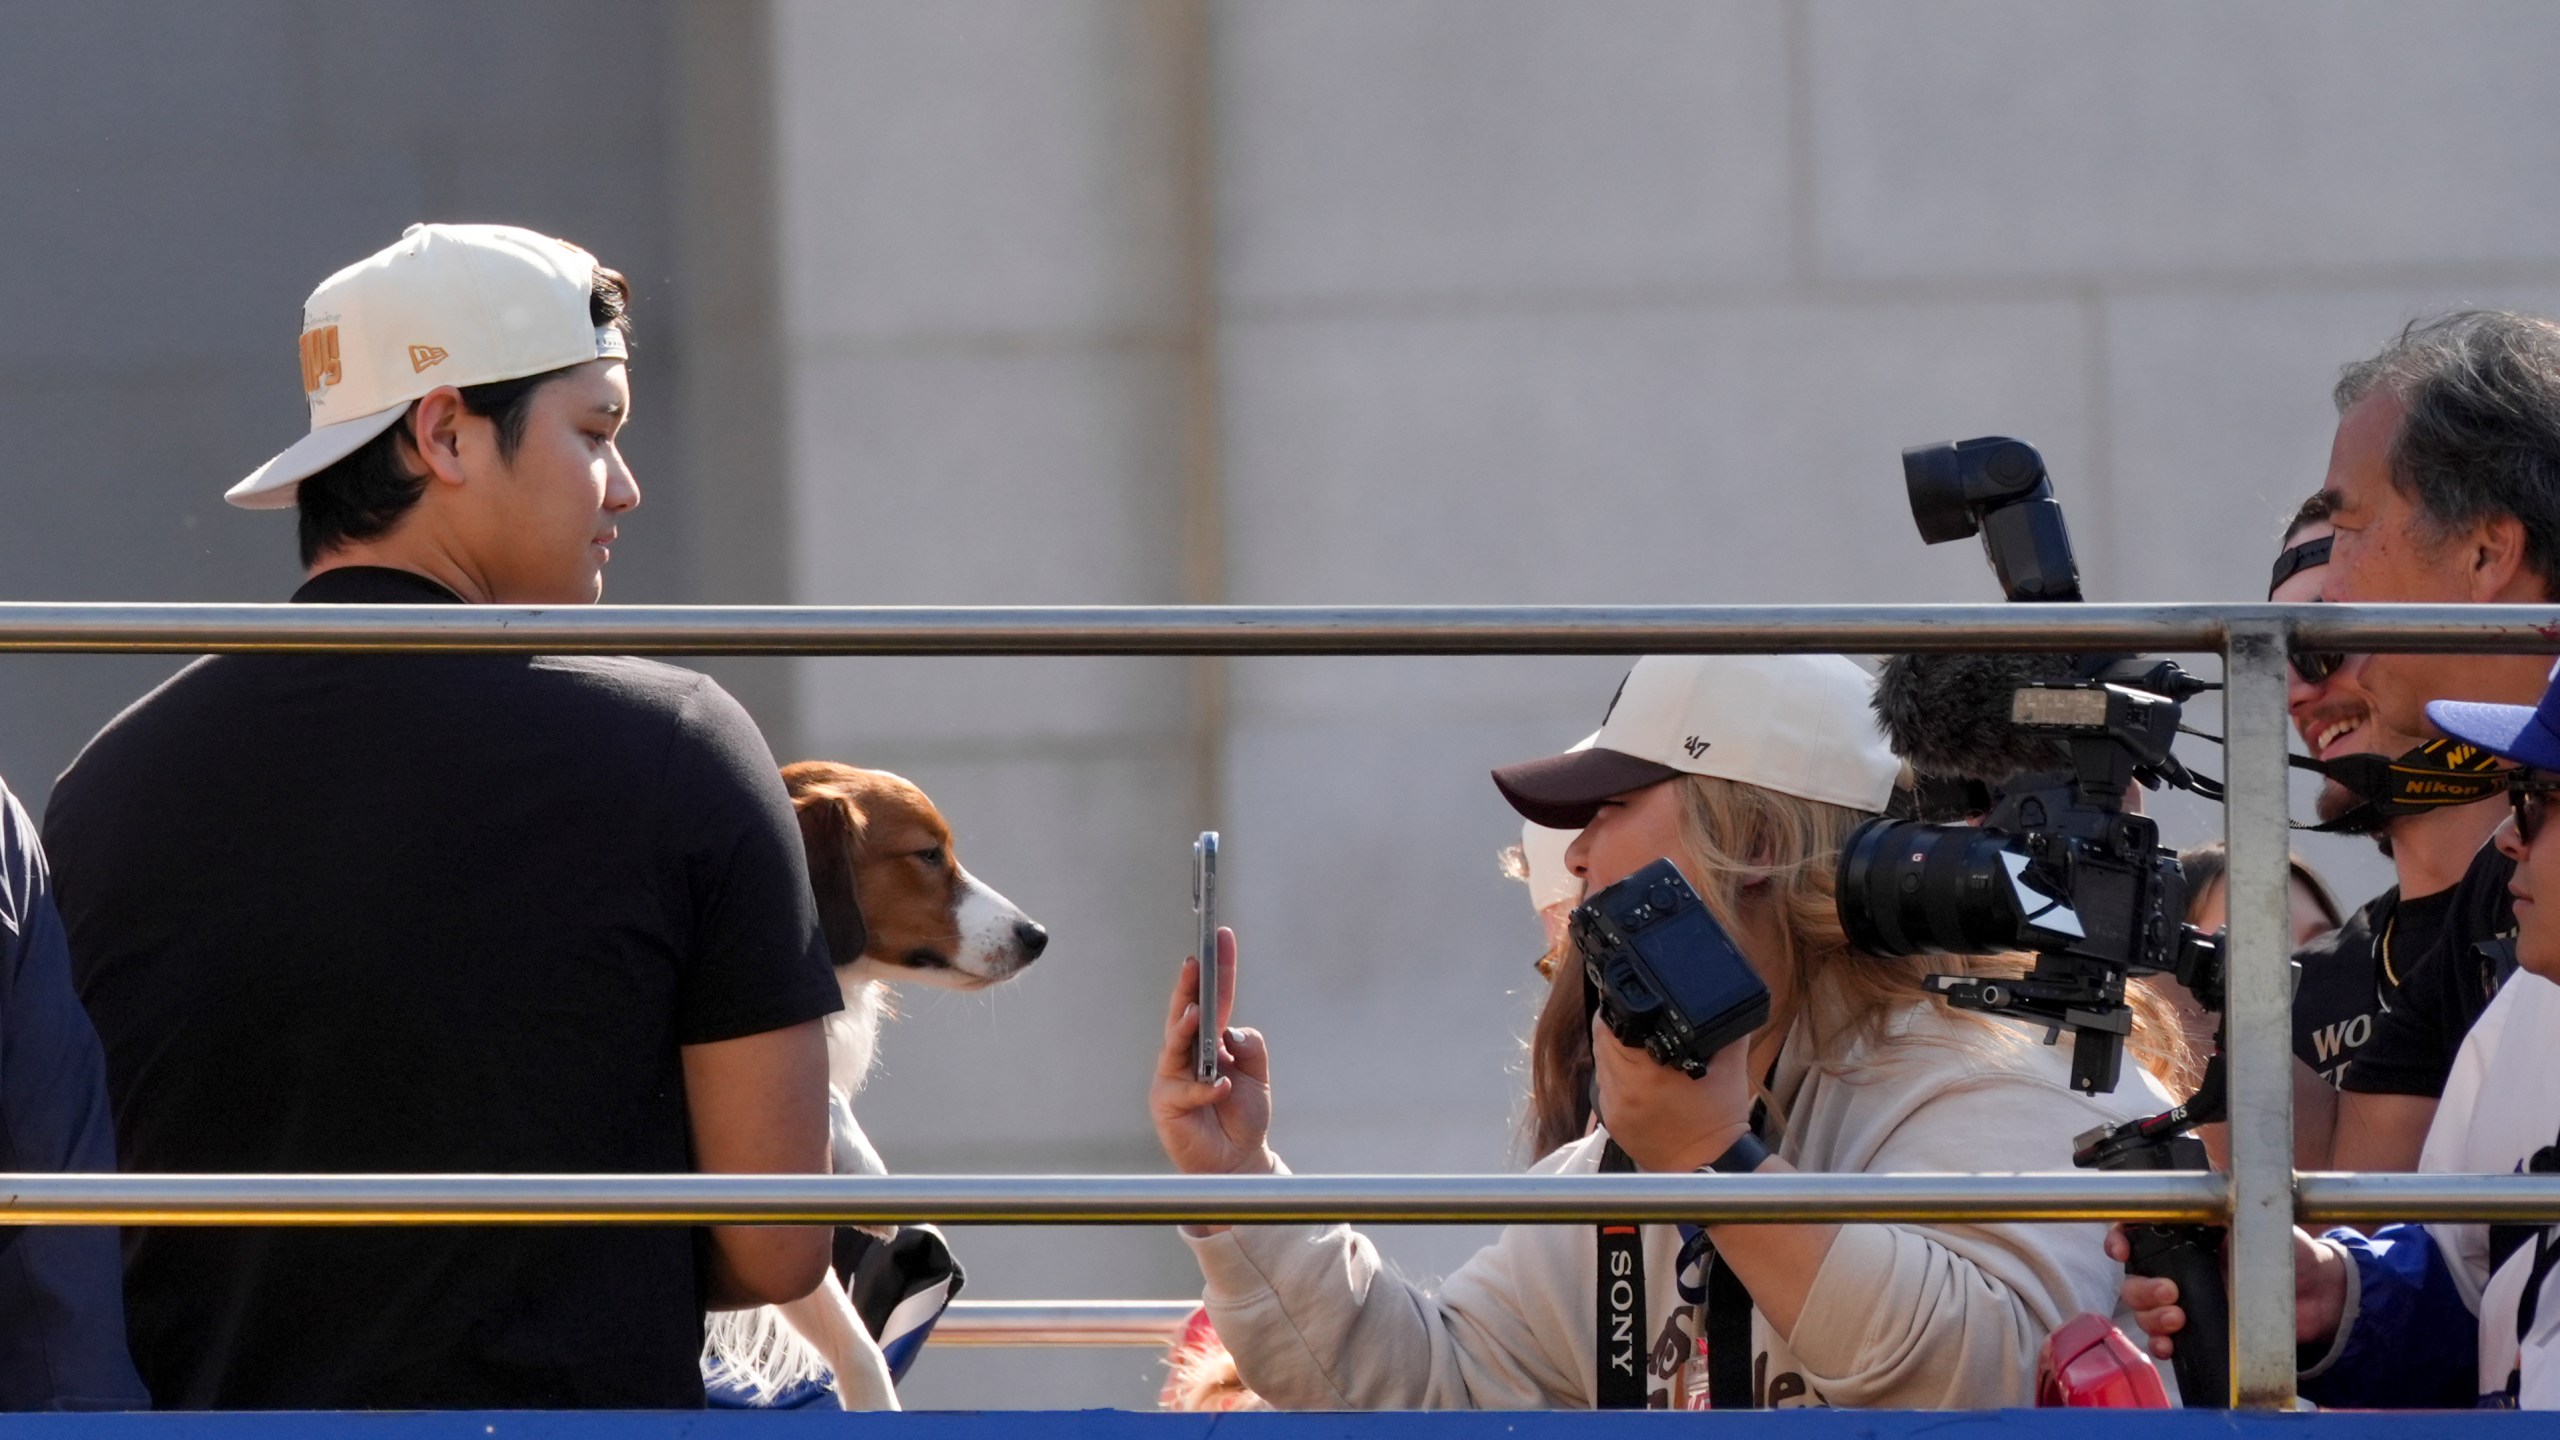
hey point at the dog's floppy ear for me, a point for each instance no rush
(831, 831)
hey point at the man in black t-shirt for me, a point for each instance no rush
(2350, 976)
(2444, 487)
(452, 913)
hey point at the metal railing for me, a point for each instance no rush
(1151, 1323)
(2260, 1197)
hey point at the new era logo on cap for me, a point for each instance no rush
(505, 303)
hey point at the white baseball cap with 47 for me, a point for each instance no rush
(1801, 724)
(444, 305)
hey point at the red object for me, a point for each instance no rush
(1203, 1373)
(2089, 1364)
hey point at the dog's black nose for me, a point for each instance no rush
(1032, 937)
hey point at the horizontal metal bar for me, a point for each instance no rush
(2339, 1199)
(32, 626)
(1092, 1199)
(51, 1199)
(1063, 1322)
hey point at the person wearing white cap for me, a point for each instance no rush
(448, 914)
(1558, 1108)
(1748, 772)
(465, 387)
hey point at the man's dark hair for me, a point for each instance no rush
(366, 493)
(2480, 430)
(2313, 511)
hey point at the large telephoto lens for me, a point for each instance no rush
(1908, 888)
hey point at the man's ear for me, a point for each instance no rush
(2497, 562)
(831, 831)
(435, 432)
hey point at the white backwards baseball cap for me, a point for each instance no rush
(445, 305)
(1799, 724)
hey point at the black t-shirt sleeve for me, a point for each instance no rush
(757, 960)
(2443, 991)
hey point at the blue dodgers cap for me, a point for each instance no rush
(2525, 734)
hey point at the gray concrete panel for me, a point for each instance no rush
(736, 504)
(977, 166)
(164, 272)
(1712, 454)
(2007, 138)
(100, 82)
(1046, 477)
(577, 84)
(1453, 147)
(1622, 455)
(2222, 420)
(973, 478)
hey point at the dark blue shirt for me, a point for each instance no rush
(61, 1288)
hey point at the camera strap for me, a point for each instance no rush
(2431, 776)
(1623, 1353)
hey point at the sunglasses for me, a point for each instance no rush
(2314, 666)
(2529, 794)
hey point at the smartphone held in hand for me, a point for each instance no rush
(1204, 907)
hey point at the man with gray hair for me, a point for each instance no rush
(2444, 487)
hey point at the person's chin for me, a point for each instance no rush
(2333, 801)
(2542, 960)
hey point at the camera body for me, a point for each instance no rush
(1662, 973)
(2058, 867)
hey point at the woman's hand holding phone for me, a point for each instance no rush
(1222, 1126)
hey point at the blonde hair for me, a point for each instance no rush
(1203, 1377)
(1765, 862)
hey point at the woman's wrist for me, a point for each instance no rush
(1745, 1155)
(1260, 1161)
(1703, 1150)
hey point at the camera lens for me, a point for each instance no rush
(1906, 888)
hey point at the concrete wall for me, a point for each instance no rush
(178, 177)
(1512, 301)
(1284, 300)
(982, 237)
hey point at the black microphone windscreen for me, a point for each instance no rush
(1949, 714)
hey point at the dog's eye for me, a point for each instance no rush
(932, 857)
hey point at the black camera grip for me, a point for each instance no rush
(2191, 1256)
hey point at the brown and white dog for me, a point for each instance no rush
(897, 907)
